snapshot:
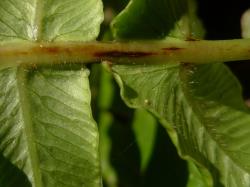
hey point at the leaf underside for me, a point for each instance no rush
(46, 126)
(200, 105)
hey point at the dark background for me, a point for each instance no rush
(221, 19)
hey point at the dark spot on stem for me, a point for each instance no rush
(172, 49)
(52, 50)
(117, 54)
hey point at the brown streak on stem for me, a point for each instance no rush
(48, 50)
(118, 54)
(172, 49)
(23, 53)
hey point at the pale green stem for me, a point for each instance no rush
(145, 52)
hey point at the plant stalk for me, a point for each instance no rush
(136, 52)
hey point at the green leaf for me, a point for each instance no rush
(179, 21)
(144, 126)
(50, 20)
(200, 106)
(196, 179)
(147, 19)
(148, 86)
(46, 126)
(105, 121)
(47, 129)
(108, 172)
(210, 121)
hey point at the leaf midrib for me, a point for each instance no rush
(24, 101)
(27, 127)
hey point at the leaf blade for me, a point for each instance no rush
(144, 127)
(47, 123)
(21, 131)
(179, 96)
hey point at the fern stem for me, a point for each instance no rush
(202, 51)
